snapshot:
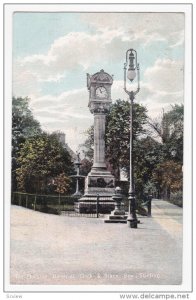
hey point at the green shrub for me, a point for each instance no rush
(177, 198)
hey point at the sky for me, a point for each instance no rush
(52, 52)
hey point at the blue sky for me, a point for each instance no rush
(52, 52)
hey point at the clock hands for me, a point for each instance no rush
(101, 92)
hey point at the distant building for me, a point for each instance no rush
(62, 137)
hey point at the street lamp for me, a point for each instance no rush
(131, 71)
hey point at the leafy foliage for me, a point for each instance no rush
(118, 133)
(23, 123)
(168, 177)
(62, 183)
(157, 159)
(23, 126)
(177, 198)
(170, 131)
(168, 173)
(85, 166)
(147, 154)
(41, 158)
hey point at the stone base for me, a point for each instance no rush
(88, 204)
(133, 223)
(99, 183)
(117, 217)
(116, 220)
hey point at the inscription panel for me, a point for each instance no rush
(101, 182)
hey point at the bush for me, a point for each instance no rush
(177, 198)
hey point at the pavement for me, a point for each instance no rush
(50, 249)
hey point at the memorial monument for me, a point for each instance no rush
(99, 181)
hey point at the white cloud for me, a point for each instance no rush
(114, 34)
(68, 104)
(67, 112)
(146, 27)
(68, 52)
(162, 85)
(24, 81)
(165, 76)
(176, 38)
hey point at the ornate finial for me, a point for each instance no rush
(102, 70)
(88, 80)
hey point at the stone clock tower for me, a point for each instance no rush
(99, 86)
(99, 180)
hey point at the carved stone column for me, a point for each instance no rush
(99, 141)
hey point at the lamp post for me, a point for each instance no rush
(131, 71)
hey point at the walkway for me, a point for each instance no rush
(49, 249)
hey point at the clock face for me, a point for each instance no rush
(101, 92)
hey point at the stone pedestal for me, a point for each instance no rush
(101, 184)
(118, 214)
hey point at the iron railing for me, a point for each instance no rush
(54, 204)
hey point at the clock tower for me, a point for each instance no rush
(99, 86)
(99, 180)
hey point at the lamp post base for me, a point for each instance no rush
(132, 223)
(132, 220)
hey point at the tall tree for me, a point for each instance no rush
(154, 156)
(168, 177)
(40, 159)
(117, 135)
(24, 126)
(170, 130)
(147, 154)
(168, 172)
(62, 184)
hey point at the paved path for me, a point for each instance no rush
(49, 249)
